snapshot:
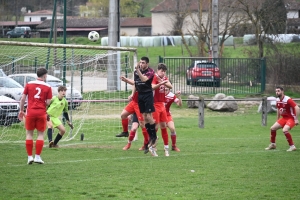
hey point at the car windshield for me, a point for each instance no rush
(53, 83)
(206, 65)
(9, 83)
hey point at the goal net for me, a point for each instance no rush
(95, 93)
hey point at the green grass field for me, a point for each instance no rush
(227, 156)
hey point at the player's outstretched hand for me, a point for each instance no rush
(71, 125)
(296, 122)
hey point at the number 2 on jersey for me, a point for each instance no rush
(37, 95)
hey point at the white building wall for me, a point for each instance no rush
(293, 14)
(37, 18)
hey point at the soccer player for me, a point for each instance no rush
(143, 76)
(39, 95)
(289, 112)
(133, 108)
(58, 105)
(169, 99)
(159, 83)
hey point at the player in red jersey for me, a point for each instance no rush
(289, 112)
(133, 108)
(159, 83)
(169, 99)
(39, 95)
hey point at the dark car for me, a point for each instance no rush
(203, 72)
(19, 32)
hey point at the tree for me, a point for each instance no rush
(274, 16)
(100, 8)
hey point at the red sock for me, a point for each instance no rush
(125, 125)
(173, 138)
(165, 136)
(146, 135)
(39, 147)
(273, 136)
(29, 147)
(131, 135)
(289, 138)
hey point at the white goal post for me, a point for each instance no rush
(91, 74)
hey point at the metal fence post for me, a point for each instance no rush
(264, 113)
(201, 112)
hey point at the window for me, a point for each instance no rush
(19, 79)
(43, 18)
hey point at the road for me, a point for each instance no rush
(92, 83)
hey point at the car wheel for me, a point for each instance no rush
(188, 82)
(22, 36)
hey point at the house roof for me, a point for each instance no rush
(20, 23)
(136, 21)
(74, 29)
(97, 22)
(42, 12)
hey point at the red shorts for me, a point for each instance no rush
(38, 123)
(169, 118)
(133, 107)
(160, 114)
(286, 121)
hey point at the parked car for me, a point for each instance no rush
(9, 110)
(203, 72)
(54, 82)
(2, 73)
(22, 32)
(10, 88)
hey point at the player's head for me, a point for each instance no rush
(146, 59)
(161, 69)
(42, 73)
(144, 62)
(167, 90)
(61, 91)
(61, 88)
(279, 91)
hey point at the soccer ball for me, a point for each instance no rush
(93, 36)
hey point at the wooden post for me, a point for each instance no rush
(201, 112)
(264, 112)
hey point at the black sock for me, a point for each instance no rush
(152, 130)
(148, 127)
(49, 133)
(58, 137)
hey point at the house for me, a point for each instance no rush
(40, 15)
(82, 26)
(165, 14)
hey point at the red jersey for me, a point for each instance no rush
(159, 93)
(286, 107)
(37, 93)
(135, 97)
(169, 99)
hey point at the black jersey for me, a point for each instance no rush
(140, 86)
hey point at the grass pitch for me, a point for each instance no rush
(225, 160)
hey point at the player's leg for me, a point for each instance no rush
(277, 125)
(50, 132)
(58, 124)
(29, 126)
(128, 110)
(41, 125)
(286, 130)
(171, 127)
(134, 127)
